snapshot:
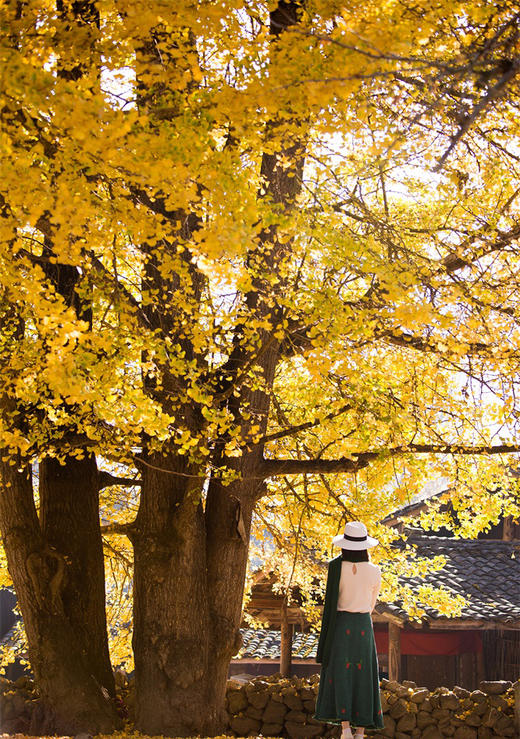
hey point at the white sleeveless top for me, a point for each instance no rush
(359, 587)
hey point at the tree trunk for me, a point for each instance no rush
(188, 590)
(228, 524)
(57, 569)
(73, 700)
(69, 517)
(171, 634)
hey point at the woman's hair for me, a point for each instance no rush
(349, 555)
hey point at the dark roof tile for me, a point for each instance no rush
(482, 570)
(265, 644)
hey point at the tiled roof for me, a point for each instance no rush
(482, 570)
(265, 644)
(12, 636)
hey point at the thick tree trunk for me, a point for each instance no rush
(188, 589)
(57, 569)
(228, 524)
(171, 628)
(73, 700)
(69, 517)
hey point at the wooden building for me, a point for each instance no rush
(482, 643)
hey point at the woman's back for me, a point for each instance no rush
(359, 587)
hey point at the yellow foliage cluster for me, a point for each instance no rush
(387, 279)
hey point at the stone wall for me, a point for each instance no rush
(274, 706)
(281, 707)
(17, 702)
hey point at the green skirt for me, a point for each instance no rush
(349, 684)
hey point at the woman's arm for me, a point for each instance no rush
(325, 616)
(375, 591)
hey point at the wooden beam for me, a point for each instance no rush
(442, 623)
(272, 619)
(378, 618)
(286, 635)
(394, 651)
(468, 623)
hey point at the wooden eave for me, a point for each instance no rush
(470, 623)
(267, 612)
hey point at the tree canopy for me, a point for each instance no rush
(262, 257)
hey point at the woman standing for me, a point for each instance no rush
(349, 681)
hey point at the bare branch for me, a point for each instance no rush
(291, 431)
(105, 480)
(357, 461)
(125, 529)
(493, 93)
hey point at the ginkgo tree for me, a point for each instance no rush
(256, 256)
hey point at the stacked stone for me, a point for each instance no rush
(17, 702)
(274, 706)
(411, 712)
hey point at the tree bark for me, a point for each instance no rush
(56, 564)
(73, 698)
(69, 516)
(229, 511)
(190, 567)
(171, 627)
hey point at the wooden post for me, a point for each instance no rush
(466, 670)
(508, 529)
(481, 672)
(394, 651)
(286, 634)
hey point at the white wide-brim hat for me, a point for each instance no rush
(355, 537)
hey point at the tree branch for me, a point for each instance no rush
(121, 290)
(303, 426)
(276, 467)
(430, 345)
(359, 460)
(454, 261)
(452, 449)
(125, 529)
(494, 93)
(105, 480)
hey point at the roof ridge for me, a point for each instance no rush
(461, 541)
